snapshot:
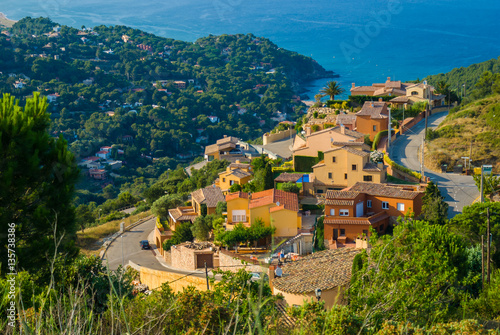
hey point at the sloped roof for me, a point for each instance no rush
(401, 99)
(335, 202)
(178, 214)
(347, 194)
(209, 196)
(357, 221)
(384, 190)
(288, 177)
(374, 109)
(236, 195)
(371, 167)
(288, 199)
(346, 119)
(324, 270)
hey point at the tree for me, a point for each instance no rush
(490, 183)
(201, 228)
(412, 276)
(37, 177)
(221, 208)
(434, 209)
(235, 188)
(162, 205)
(258, 231)
(331, 89)
(290, 187)
(268, 177)
(183, 233)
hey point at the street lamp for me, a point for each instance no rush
(318, 293)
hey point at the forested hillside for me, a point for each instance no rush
(159, 100)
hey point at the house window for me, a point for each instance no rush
(414, 93)
(385, 205)
(342, 232)
(345, 175)
(320, 191)
(401, 207)
(367, 178)
(332, 211)
(223, 180)
(381, 227)
(330, 175)
(231, 182)
(333, 159)
(344, 212)
(374, 128)
(354, 167)
(239, 216)
(369, 203)
(365, 232)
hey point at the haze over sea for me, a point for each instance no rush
(364, 41)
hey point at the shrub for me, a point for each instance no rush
(404, 169)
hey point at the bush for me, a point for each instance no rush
(376, 139)
(305, 163)
(401, 168)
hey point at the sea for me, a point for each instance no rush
(363, 41)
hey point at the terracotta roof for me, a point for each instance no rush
(363, 145)
(353, 151)
(357, 221)
(276, 208)
(374, 109)
(226, 146)
(346, 119)
(240, 173)
(335, 202)
(240, 166)
(348, 194)
(363, 88)
(236, 195)
(228, 139)
(288, 177)
(324, 270)
(211, 149)
(403, 99)
(288, 199)
(209, 196)
(338, 129)
(322, 163)
(372, 167)
(180, 214)
(385, 190)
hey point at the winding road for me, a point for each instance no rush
(459, 190)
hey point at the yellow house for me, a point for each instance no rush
(275, 207)
(344, 166)
(372, 118)
(236, 173)
(225, 146)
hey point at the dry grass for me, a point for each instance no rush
(474, 125)
(90, 240)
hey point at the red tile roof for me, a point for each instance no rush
(374, 109)
(384, 190)
(236, 195)
(288, 199)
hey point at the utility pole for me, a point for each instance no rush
(426, 117)
(422, 158)
(389, 133)
(123, 258)
(206, 276)
(481, 197)
(482, 261)
(488, 249)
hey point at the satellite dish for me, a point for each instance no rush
(278, 203)
(278, 272)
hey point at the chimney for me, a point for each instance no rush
(271, 276)
(342, 129)
(380, 165)
(388, 78)
(237, 161)
(353, 85)
(380, 100)
(225, 136)
(308, 131)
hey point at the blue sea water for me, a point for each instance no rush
(364, 41)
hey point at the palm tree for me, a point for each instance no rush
(331, 89)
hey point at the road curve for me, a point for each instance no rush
(459, 190)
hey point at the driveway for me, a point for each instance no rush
(459, 190)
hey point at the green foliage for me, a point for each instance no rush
(201, 228)
(241, 234)
(413, 276)
(490, 183)
(221, 208)
(332, 89)
(401, 168)
(361, 99)
(377, 138)
(183, 233)
(290, 187)
(472, 223)
(434, 208)
(162, 205)
(314, 128)
(319, 242)
(235, 188)
(37, 177)
(305, 163)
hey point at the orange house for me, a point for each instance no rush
(351, 212)
(372, 118)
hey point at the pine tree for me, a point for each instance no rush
(37, 176)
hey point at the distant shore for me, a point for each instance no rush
(5, 21)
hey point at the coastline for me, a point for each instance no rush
(5, 22)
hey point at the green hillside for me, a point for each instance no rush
(478, 123)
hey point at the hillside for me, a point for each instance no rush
(167, 98)
(477, 123)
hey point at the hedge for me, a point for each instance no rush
(282, 169)
(396, 166)
(361, 99)
(305, 163)
(377, 138)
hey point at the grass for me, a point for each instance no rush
(477, 123)
(394, 180)
(88, 240)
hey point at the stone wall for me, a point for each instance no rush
(280, 135)
(154, 279)
(186, 258)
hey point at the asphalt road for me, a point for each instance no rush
(131, 249)
(458, 190)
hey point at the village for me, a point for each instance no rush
(331, 186)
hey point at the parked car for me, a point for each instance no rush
(144, 244)
(256, 276)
